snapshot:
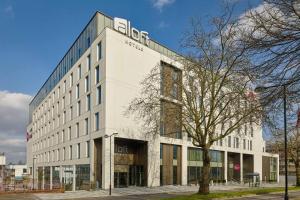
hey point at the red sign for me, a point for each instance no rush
(237, 167)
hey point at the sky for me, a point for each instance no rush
(35, 35)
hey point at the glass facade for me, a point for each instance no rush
(82, 177)
(195, 163)
(55, 177)
(67, 177)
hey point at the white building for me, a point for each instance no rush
(18, 171)
(85, 98)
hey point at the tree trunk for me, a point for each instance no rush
(297, 166)
(205, 179)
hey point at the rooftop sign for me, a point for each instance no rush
(123, 26)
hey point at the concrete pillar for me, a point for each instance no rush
(241, 168)
(106, 162)
(74, 177)
(60, 176)
(153, 163)
(225, 165)
(92, 161)
(51, 177)
(184, 163)
(257, 159)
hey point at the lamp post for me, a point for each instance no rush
(260, 89)
(110, 136)
(33, 158)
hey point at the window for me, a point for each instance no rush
(88, 62)
(161, 151)
(86, 125)
(69, 133)
(99, 51)
(79, 72)
(237, 143)
(97, 121)
(88, 102)
(58, 92)
(99, 95)
(78, 150)
(87, 84)
(174, 152)
(63, 136)
(64, 117)
(250, 145)
(97, 74)
(57, 137)
(77, 129)
(70, 97)
(229, 141)
(64, 154)
(71, 112)
(64, 87)
(71, 79)
(88, 149)
(244, 143)
(78, 108)
(70, 152)
(77, 91)
(63, 103)
(57, 155)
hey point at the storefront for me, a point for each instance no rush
(195, 163)
(67, 177)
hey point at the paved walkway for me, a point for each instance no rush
(132, 191)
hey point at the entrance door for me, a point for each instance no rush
(136, 175)
(121, 179)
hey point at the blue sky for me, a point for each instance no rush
(35, 35)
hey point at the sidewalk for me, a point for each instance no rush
(139, 191)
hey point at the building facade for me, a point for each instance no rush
(85, 98)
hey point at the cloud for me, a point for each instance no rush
(162, 25)
(9, 11)
(159, 4)
(13, 121)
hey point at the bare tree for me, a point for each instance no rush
(214, 98)
(272, 34)
(277, 146)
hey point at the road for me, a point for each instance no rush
(292, 195)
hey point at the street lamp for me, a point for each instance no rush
(110, 136)
(261, 89)
(33, 158)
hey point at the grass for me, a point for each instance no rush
(230, 194)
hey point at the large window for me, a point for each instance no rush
(195, 154)
(82, 177)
